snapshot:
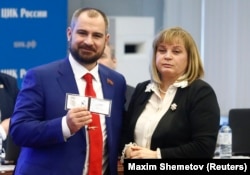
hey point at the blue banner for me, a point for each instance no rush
(31, 33)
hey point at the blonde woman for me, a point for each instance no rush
(176, 113)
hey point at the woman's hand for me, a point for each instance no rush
(137, 152)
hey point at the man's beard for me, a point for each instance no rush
(84, 59)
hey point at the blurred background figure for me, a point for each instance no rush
(8, 94)
(108, 59)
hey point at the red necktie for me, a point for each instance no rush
(95, 134)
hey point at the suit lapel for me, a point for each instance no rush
(66, 78)
(108, 93)
(141, 103)
(108, 84)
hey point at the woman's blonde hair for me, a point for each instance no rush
(175, 35)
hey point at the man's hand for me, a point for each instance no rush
(76, 118)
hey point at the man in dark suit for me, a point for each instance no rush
(55, 140)
(108, 59)
(8, 94)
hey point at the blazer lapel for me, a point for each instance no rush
(108, 93)
(66, 78)
(107, 83)
(142, 101)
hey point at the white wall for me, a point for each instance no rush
(138, 32)
(221, 30)
(184, 13)
(226, 46)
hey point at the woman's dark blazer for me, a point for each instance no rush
(190, 131)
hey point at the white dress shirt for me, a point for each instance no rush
(153, 112)
(79, 71)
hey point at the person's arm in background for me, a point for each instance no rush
(8, 93)
(4, 128)
(9, 90)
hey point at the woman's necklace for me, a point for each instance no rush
(162, 91)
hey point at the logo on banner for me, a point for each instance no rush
(22, 13)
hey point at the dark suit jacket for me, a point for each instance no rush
(129, 93)
(8, 94)
(190, 131)
(36, 123)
